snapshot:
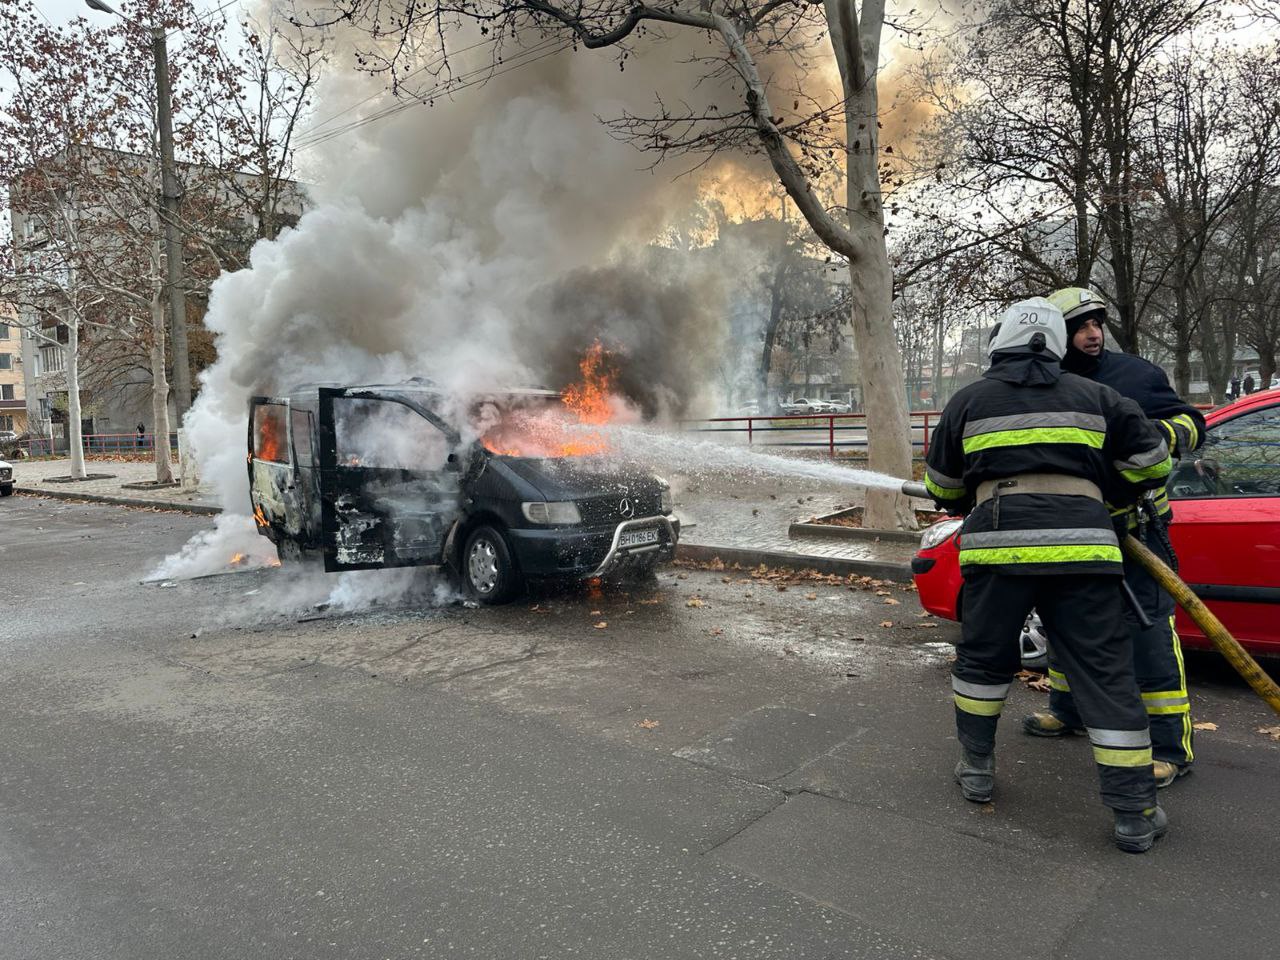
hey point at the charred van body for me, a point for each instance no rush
(375, 476)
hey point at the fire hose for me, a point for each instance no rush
(1218, 635)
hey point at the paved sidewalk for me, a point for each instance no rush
(31, 476)
(739, 520)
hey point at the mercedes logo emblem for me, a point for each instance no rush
(626, 508)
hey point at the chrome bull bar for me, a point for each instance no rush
(617, 552)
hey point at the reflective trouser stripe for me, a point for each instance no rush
(979, 708)
(1117, 757)
(1182, 678)
(1121, 748)
(1166, 702)
(1058, 681)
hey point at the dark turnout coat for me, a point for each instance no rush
(1026, 416)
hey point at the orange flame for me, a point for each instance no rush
(590, 402)
(591, 399)
(238, 559)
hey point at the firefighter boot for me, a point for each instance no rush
(1166, 772)
(976, 774)
(1137, 830)
(1045, 724)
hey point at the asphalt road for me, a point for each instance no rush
(218, 768)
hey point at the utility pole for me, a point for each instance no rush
(176, 294)
(175, 285)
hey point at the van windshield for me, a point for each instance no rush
(538, 427)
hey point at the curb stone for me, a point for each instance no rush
(198, 508)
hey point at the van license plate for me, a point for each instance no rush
(634, 538)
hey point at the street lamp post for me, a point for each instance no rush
(175, 292)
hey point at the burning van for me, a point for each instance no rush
(378, 476)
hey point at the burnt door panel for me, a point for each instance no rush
(272, 475)
(388, 492)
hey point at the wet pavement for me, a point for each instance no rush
(710, 764)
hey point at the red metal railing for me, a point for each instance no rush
(95, 443)
(833, 431)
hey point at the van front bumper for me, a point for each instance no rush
(574, 552)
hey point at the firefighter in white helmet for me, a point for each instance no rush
(1157, 651)
(1029, 452)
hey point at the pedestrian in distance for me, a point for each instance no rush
(1029, 453)
(1158, 659)
(1233, 389)
(1248, 384)
(142, 436)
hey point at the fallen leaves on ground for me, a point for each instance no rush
(650, 602)
(1204, 725)
(1032, 679)
(811, 596)
(1272, 732)
(886, 623)
(694, 602)
(891, 601)
(647, 724)
(808, 575)
(602, 624)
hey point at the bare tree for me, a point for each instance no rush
(1040, 120)
(806, 137)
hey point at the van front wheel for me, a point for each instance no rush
(488, 569)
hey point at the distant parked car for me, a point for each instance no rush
(6, 478)
(806, 405)
(839, 406)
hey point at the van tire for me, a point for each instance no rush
(487, 568)
(6, 491)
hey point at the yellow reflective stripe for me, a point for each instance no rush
(1189, 422)
(1168, 711)
(1112, 757)
(942, 493)
(979, 708)
(1058, 681)
(1059, 553)
(1182, 679)
(1019, 438)
(1160, 469)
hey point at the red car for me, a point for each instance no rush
(1226, 530)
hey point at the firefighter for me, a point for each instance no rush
(1027, 452)
(1157, 652)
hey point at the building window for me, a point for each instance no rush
(5, 334)
(46, 409)
(6, 423)
(6, 391)
(6, 361)
(51, 359)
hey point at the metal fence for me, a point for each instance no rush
(829, 431)
(95, 443)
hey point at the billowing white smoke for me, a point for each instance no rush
(427, 256)
(439, 244)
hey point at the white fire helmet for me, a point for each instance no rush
(1031, 326)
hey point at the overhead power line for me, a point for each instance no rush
(454, 85)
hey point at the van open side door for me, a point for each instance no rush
(389, 480)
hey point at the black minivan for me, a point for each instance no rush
(375, 476)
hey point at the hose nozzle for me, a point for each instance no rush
(914, 488)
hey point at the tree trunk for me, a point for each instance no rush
(771, 328)
(75, 440)
(871, 281)
(160, 394)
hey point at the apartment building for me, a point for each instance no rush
(13, 403)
